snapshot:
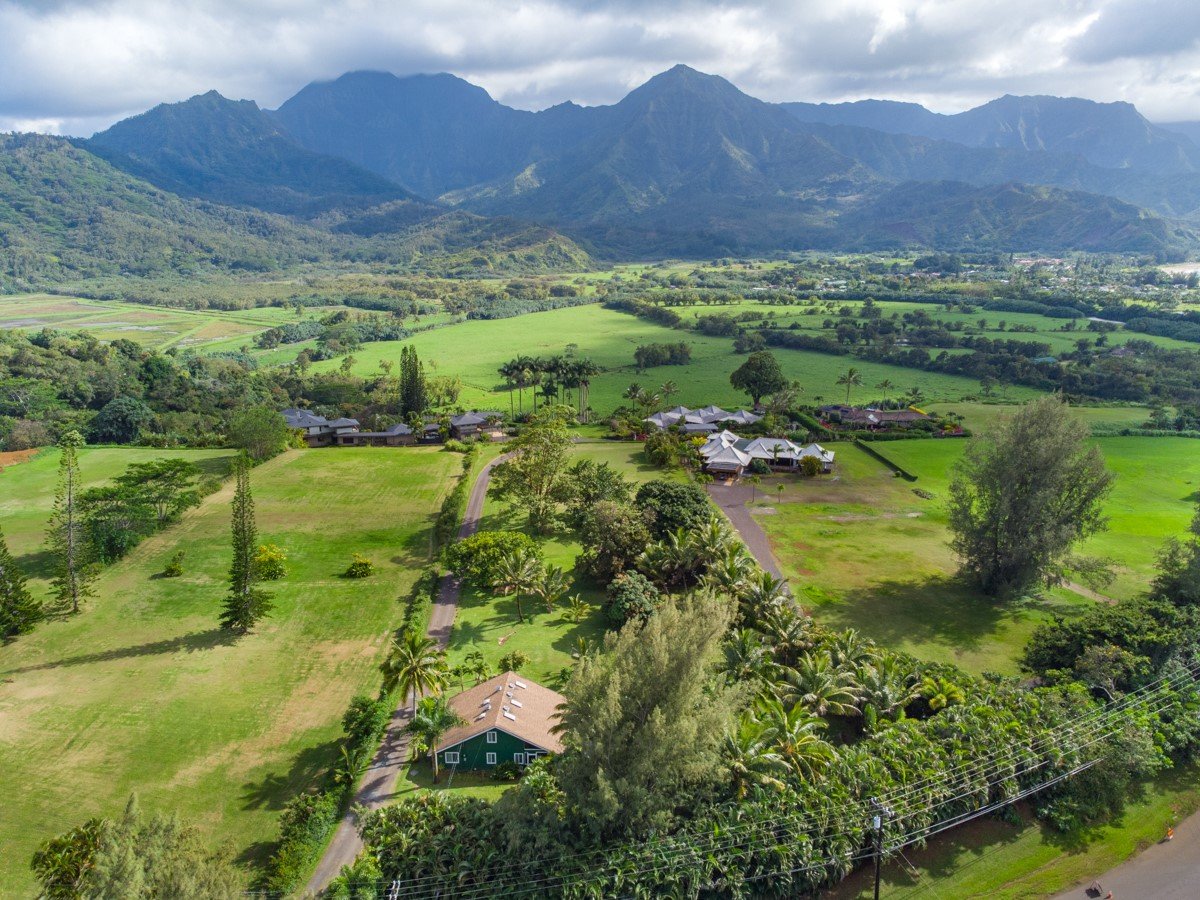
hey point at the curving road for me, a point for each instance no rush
(391, 758)
(732, 498)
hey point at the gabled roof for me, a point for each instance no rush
(510, 703)
(343, 423)
(728, 457)
(473, 418)
(302, 418)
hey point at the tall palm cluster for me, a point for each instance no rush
(553, 378)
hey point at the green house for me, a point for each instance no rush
(505, 719)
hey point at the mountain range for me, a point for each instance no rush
(684, 165)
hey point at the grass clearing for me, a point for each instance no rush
(141, 691)
(475, 349)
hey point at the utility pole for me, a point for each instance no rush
(877, 827)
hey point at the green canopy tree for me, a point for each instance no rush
(532, 478)
(644, 721)
(1023, 496)
(73, 572)
(759, 375)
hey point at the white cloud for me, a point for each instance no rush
(75, 65)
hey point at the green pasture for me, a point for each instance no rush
(155, 327)
(474, 351)
(142, 692)
(979, 416)
(488, 624)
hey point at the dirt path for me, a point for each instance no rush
(378, 784)
(1166, 871)
(732, 499)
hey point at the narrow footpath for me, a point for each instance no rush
(378, 785)
(732, 498)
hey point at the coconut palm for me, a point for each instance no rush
(431, 720)
(752, 758)
(850, 378)
(747, 658)
(711, 541)
(885, 690)
(517, 573)
(940, 692)
(763, 592)
(414, 664)
(729, 573)
(552, 586)
(819, 686)
(787, 629)
(478, 666)
(887, 386)
(671, 561)
(585, 371)
(848, 649)
(795, 737)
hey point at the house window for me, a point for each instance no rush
(491, 759)
(450, 757)
(519, 759)
(491, 737)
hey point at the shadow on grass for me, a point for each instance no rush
(39, 564)
(274, 790)
(414, 551)
(942, 608)
(192, 643)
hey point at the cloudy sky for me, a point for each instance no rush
(73, 66)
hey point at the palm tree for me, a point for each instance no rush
(885, 690)
(577, 608)
(729, 573)
(752, 758)
(668, 390)
(850, 378)
(508, 372)
(763, 592)
(849, 648)
(552, 586)
(794, 734)
(671, 561)
(477, 666)
(431, 720)
(516, 573)
(940, 692)
(711, 541)
(585, 370)
(415, 664)
(820, 687)
(746, 657)
(788, 630)
(887, 386)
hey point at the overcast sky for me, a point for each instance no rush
(74, 66)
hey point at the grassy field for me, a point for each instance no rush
(475, 349)
(141, 691)
(1015, 861)
(1154, 497)
(156, 327)
(489, 624)
(865, 551)
(981, 416)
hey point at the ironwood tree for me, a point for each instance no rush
(246, 603)
(1023, 496)
(73, 572)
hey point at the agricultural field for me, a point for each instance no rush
(155, 327)
(979, 416)
(474, 350)
(142, 692)
(864, 550)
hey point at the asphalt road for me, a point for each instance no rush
(377, 787)
(733, 499)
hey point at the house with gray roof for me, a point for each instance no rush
(318, 430)
(727, 454)
(705, 420)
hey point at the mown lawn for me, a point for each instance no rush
(142, 692)
(474, 350)
(863, 551)
(488, 624)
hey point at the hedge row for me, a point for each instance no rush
(895, 467)
(446, 526)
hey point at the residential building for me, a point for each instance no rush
(505, 719)
(869, 417)
(318, 430)
(700, 421)
(727, 454)
(472, 423)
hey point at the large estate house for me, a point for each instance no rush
(504, 719)
(322, 432)
(725, 453)
(318, 430)
(700, 421)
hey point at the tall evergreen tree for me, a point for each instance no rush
(19, 612)
(73, 573)
(246, 603)
(414, 393)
